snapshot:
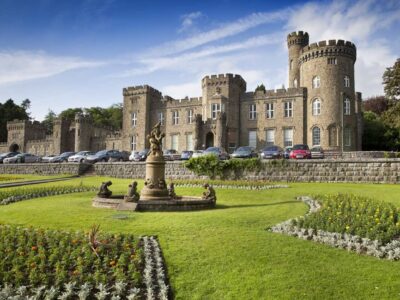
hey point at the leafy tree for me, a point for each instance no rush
(377, 104)
(10, 111)
(391, 81)
(374, 137)
(261, 88)
(48, 121)
(69, 114)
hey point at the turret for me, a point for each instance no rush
(296, 41)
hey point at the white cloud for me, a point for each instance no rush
(188, 20)
(22, 65)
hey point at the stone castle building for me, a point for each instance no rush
(320, 107)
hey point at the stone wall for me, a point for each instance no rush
(44, 169)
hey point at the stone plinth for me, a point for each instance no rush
(155, 187)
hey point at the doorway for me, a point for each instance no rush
(14, 147)
(209, 140)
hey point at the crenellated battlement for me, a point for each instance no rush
(278, 93)
(222, 79)
(141, 89)
(171, 102)
(329, 48)
(83, 119)
(24, 124)
(298, 38)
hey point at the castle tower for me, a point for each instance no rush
(136, 122)
(296, 41)
(327, 71)
(83, 132)
(223, 93)
(60, 136)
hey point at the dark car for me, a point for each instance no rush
(244, 152)
(171, 154)
(119, 156)
(7, 155)
(300, 151)
(62, 157)
(271, 152)
(103, 156)
(141, 156)
(187, 154)
(317, 152)
(217, 151)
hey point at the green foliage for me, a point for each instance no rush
(355, 215)
(391, 81)
(48, 121)
(374, 137)
(261, 88)
(10, 111)
(211, 166)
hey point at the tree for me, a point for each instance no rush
(391, 81)
(69, 114)
(374, 133)
(10, 111)
(48, 121)
(261, 88)
(377, 104)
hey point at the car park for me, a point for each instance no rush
(218, 152)
(141, 156)
(271, 152)
(80, 156)
(317, 152)
(132, 155)
(244, 152)
(197, 153)
(22, 158)
(286, 152)
(7, 155)
(186, 154)
(47, 158)
(61, 158)
(300, 151)
(104, 156)
(171, 154)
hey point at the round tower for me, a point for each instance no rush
(83, 131)
(327, 71)
(296, 41)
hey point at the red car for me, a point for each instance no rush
(300, 151)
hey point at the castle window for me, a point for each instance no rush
(347, 136)
(133, 143)
(291, 64)
(269, 110)
(346, 107)
(215, 109)
(175, 142)
(288, 109)
(190, 116)
(175, 118)
(332, 136)
(288, 137)
(332, 61)
(316, 107)
(346, 81)
(270, 137)
(134, 119)
(189, 141)
(316, 136)
(295, 83)
(316, 82)
(253, 138)
(252, 112)
(161, 118)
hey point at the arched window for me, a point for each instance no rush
(346, 107)
(332, 136)
(346, 81)
(316, 82)
(295, 83)
(316, 136)
(316, 107)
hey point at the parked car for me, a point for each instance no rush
(197, 153)
(103, 156)
(61, 158)
(80, 156)
(271, 152)
(171, 154)
(187, 154)
(317, 152)
(300, 151)
(132, 155)
(286, 152)
(22, 158)
(125, 155)
(47, 158)
(119, 156)
(217, 151)
(6, 155)
(244, 152)
(141, 156)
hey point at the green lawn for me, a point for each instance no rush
(6, 178)
(226, 253)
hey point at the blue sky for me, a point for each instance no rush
(62, 54)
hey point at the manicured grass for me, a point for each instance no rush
(6, 178)
(226, 253)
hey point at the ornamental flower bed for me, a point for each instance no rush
(20, 194)
(349, 222)
(230, 184)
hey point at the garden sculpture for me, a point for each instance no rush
(171, 190)
(133, 195)
(155, 139)
(209, 194)
(104, 192)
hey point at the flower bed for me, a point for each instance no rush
(20, 194)
(230, 184)
(353, 223)
(63, 265)
(9, 178)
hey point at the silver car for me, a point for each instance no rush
(79, 157)
(22, 158)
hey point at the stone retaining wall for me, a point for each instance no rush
(44, 169)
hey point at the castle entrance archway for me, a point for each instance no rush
(209, 140)
(14, 147)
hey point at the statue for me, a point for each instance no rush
(104, 192)
(209, 194)
(133, 195)
(171, 190)
(155, 139)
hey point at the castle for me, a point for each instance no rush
(320, 107)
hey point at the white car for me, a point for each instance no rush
(47, 158)
(79, 157)
(133, 154)
(197, 153)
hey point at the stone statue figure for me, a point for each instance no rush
(133, 195)
(155, 138)
(209, 194)
(171, 190)
(104, 192)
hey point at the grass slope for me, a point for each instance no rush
(226, 253)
